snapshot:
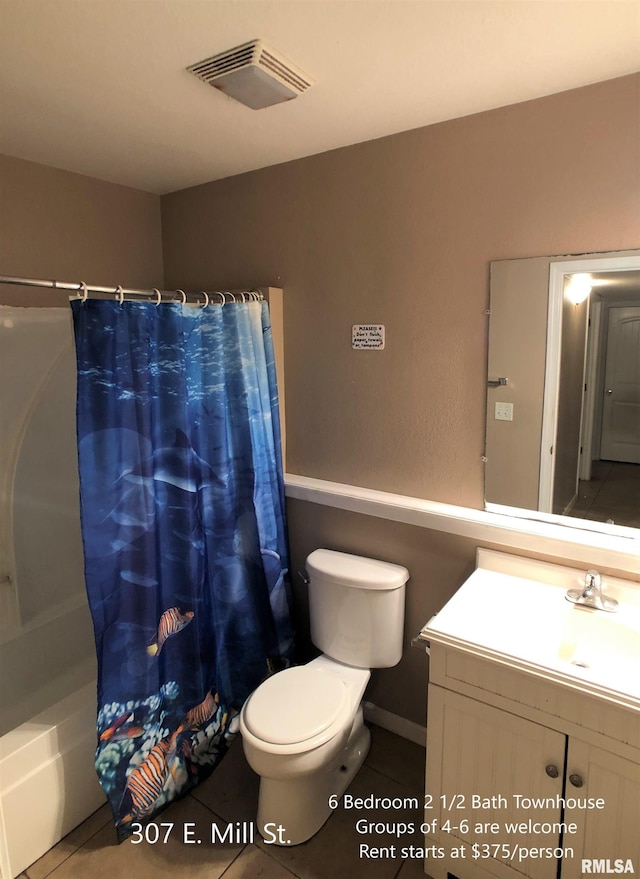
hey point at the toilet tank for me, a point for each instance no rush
(356, 607)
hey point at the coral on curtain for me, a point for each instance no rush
(184, 533)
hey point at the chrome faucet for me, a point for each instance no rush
(591, 594)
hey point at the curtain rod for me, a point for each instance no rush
(120, 292)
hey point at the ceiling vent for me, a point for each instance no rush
(253, 74)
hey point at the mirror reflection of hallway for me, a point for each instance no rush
(554, 455)
(612, 494)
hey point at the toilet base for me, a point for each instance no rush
(300, 806)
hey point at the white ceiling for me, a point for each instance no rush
(616, 285)
(100, 87)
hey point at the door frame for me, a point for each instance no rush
(557, 275)
(590, 395)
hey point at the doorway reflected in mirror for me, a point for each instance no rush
(563, 396)
(611, 495)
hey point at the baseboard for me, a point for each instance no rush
(407, 729)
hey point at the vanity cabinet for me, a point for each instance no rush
(477, 758)
(507, 753)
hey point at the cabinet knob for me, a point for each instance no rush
(552, 771)
(576, 780)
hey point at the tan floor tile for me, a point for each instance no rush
(93, 823)
(412, 868)
(613, 492)
(335, 850)
(398, 758)
(232, 791)
(71, 843)
(394, 768)
(102, 858)
(253, 863)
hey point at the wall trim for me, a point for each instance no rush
(566, 539)
(402, 727)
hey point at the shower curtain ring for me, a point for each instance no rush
(206, 299)
(222, 297)
(120, 294)
(183, 296)
(85, 292)
(158, 296)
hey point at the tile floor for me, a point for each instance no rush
(394, 768)
(613, 492)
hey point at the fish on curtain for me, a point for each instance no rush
(184, 534)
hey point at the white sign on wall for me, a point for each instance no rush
(367, 336)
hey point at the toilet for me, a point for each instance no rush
(302, 729)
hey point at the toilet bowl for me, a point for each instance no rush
(303, 733)
(302, 729)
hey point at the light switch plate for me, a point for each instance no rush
(503, 412)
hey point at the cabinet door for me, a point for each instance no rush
(479, 761)
(610, 834)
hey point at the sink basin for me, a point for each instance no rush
(589, 639)
(514, 610)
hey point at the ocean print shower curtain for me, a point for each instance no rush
(183, 523)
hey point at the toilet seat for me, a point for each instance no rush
(299, 705)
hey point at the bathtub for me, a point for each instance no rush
(47, 655)
(48, 783)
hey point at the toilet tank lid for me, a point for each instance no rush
(354, 570)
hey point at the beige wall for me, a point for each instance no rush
(397, 231)
(401, 231)
(54, 224)
(438, 564)
(517, 348)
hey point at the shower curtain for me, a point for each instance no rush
(184, 534)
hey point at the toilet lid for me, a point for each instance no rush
(294, 705)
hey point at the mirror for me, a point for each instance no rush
(563, 394)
